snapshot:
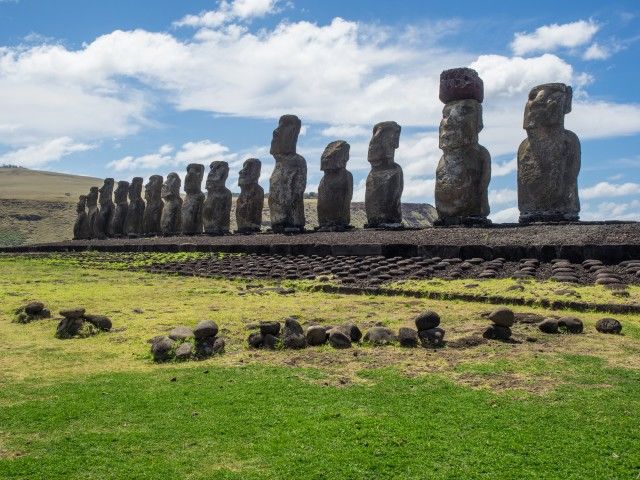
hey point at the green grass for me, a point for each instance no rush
(98, 408)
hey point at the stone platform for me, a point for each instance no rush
(610, 242)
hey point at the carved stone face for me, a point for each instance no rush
(135, 190)
(193, 180)
(250, 172)
(152, 190)
(106, 191)
(547, 105)
(383, 144)
(92, 197)
(171, 188)
(120, 194)
(82, 202)
(217, 175)
(335, 156)
(285, 136)
(461, 122)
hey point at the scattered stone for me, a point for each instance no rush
(408, 337)
(379, 336)
(497, 332)
(99, 321)
(467, 342)
(608, 325)
(427, 320)
(431, 338)
(571, 324)
(339, 339)
(502, 317)
(69, 327)
(205, 329)
(293, 335)
(181, 333)
(72, 312)
(30, 312)
(316, 335)
(255, 340)
(162, 349)
(184, 351)
(270, 328)
(528, 318)
(219, 345)
(549, 325)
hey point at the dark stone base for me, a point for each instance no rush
(217, 233)
(288, 229)
(334, 228)
(462, 221)
(386, 226)
(247, 231)
(548, 217)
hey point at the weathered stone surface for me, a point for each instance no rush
(571, 324)
(92, 209)
(162, 349)
(171, 218)
(137, 207)
(339, 339)
(105, 212)
(431, 338)
(205, 329)
(255, 340)
(270, 342)
(250, 202)
(461, 84)
(502, 317)
(351, 330)
(216, 212)
(184, 351)
(151, 220)
(385, 180)
(380, 336)
(219, 345)
(427, 320)
(316, 335)
(76, 312)
(464, 170)
(408, 337)
(33, 308)
(119, 218)
(549, 325)
(204, 347)
(82, 226)
(193, 201)
(69, 327)
(270, 328)
(101, 322)
(549, 158)
(497, 332)
(336, 188)
(608, 325)
(181, 333)
(289, 178)
(293, 335)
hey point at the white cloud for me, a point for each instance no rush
(346, 131)
(507, 215)
(502, 169)
(596, 52)
(502, 196)
(44, 153)
(612, 211)
(226, 12)
(549, 37)
(606, 189)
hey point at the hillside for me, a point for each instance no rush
(38, 207)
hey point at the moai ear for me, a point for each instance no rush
(480, 124)
(568, 97)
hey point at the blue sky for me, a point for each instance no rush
(125, 88)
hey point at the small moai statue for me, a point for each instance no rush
(336, 189)
(385, 181)
(193, 201)
(153, 209)
(251, 199)
(82, 227)
(289, 178)
(119, 218)
(549, 158)
(171, 218)
(92, 209)
(135, 214)
(464, 170)
(216, 213)
(105, 213)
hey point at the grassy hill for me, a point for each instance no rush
(38, 206)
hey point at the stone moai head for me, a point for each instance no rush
(106, 191)
(193, 180)
(82, 203)
(285, 136)
(135, 189)
(153, 188)
(171, 188)
(383, 144)
(120, 194)
(461, 122)
(92, 197)
(250, 172)
(335, 156)
(217, 175)
(547, 105)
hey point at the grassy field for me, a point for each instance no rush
(564, 406)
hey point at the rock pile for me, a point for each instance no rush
(184, 343)
(608, 325)
(502, 320)
(429, 331)
(561, 325)
(30, 312)
(76, 323)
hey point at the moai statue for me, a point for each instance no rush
(82, 227)
(119, 218)
(153, 209)
(335, 189)
(216, 213)
(105, 213)
(251, 200)
(92, 209)
(549, 158)
(385, 181)
(135, 214)
(289, 178)
(192, 206)
(464, 170)
(171, 219)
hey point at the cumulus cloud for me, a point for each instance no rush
(228, 11)
(345, 131)
(549, 37)
(44, 153)
(606, 189)
(596, 52)
(506, 215)
(612, 210)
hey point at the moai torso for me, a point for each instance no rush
(135, 213)
(92, 209)
(154, 206)
(171, 219)
(119, 218)
(250, 202)
(216, 214)
(81, 227)
(105, 212)
(194, 199)
(336, 188)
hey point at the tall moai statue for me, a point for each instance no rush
(82, 227)
(154, 206)
(193, 201)
(549, 158)
(385, 181)
(464, 170)
(119, 218)
(105, 213)
(92, 209)
(171, 219)
(289, 178)
(336, 188)
(251, 199)
(135, 214)
(216, 213)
